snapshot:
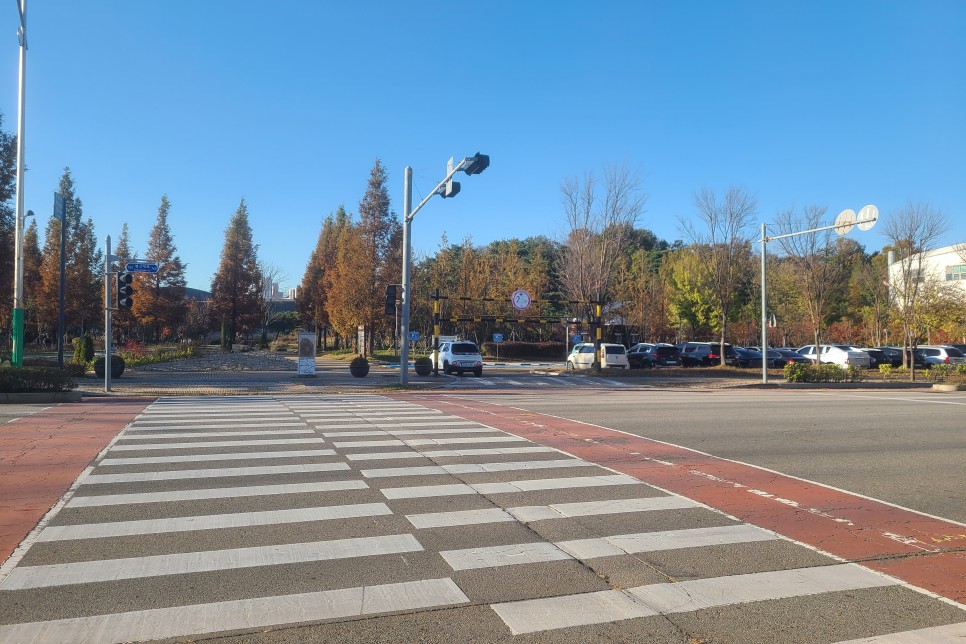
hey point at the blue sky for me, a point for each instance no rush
(289, 103)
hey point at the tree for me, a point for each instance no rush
(816, 264)
(726, 270)
(271, 275)
(236, 295)
(597, 231)
(912, 231)
(8, 178)
(32, 260)
(159, 301)
(313, 299)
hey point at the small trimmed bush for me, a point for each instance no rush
(84, 350)
(423, 366)
(35, 379)
(800, 372)
(359, 367)
(117, 366)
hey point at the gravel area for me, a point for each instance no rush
(242, 361)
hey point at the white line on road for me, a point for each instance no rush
(509, 555)
(529, 513)
(449, 453)
(668, 540)
(536, 615)
(159, 435)
(200, 421)
(213, 493)
(474, 468)
(423, 491)
(459, 517)
(85, 572)
(952, 633)
(200, 444)
(218, 472)
(213, 458)
(211, 522)
(240, 614)
(170, 427)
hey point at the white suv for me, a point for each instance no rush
(460, 356)
(612, 356)
(841, 354)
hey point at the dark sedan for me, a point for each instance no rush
(748, 357)
(780, 357)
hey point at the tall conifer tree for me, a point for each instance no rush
(159, 301)
(236, 292)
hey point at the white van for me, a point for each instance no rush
(460, 356)
(612, 356)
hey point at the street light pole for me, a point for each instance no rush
(471, 165)
(18, 296)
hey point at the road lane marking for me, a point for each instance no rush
(423, 491)
(414, 432)
(171, 427)
(537, 615)
(497, 556)
(447, 453)
(666, 540)
(463, 441)
(200, 444)
(459, 517)
(593, 508)
(265, 422)
(159, 435)
(353, 444)
(85, 572)
(474, 468)
(240, 614)
(365, 424)
(213, 493)
(233, 456)
(217, 472)
(211, 522)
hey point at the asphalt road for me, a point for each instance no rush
(904, 447)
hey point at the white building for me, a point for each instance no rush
(946, 265)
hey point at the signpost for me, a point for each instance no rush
(306, 363)
(141, 267)
(497, 339)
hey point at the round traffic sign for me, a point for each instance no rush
(520, 299)
(867, 217)
(845, 221)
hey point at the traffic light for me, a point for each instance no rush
(476, 163)
(391, 299)
(124, 290)
(450, 188)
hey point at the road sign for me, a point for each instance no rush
(58, 206)
(521, 300)
(498, 337)
(414, 336)
(141, 267)
(867, 217)
(845, 221)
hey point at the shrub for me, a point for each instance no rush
(35, 379)
(799, 372)
(84, 350)
(939, 372)
(74, 369)
(885, 370)
(551, 350)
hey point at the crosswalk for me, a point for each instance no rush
(570, 381)
(212, 515)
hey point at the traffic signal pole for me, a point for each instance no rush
(108, 259)
(18, 295)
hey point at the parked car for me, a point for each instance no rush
(840, 354)
(780, 357)
(748, 357)
(878, 357)
(945, 354)
(635, 355)
(961, 347)
(703, 354)
(612, 356)
(895, 356)
(460, 356)
(665, 355)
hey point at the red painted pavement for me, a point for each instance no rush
(926, 552)
(42, 454)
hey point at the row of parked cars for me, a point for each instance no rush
(697, 354)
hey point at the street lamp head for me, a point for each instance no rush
(476, 163)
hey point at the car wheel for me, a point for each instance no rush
(446, 369)
(478, 373)
(570, 366)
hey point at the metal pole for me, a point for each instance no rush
(18, 296)
(107, 317)
(63, 280)
(406, 279)
(764, 311)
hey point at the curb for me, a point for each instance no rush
(25, 398)
(947, 387)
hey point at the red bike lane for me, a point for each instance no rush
(923, 551)
(41, 455)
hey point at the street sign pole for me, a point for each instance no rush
(60, 212)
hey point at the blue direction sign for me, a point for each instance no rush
(414, 336)
(141, 267)
(498, 337)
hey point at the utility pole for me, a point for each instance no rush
(18, 296)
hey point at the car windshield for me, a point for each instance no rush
(666, 351)
(954, 352)
(464, 349)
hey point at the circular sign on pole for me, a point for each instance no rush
(520, 300)
(844, 222)
(867, 217)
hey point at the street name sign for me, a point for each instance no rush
(141, 267)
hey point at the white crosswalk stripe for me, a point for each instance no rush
(489, 518)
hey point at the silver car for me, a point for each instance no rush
(840, 354)
(942, 355)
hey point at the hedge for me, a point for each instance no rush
(801, 372)
(551, 350)
(30, 379)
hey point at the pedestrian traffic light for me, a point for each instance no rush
(124, 290)
(391, 299)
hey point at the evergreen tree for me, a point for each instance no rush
(32, 259)
(8, 179)
(159, 303)
(236, 287)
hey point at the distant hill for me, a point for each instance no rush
(197, 294)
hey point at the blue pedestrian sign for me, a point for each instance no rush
(141, 267)
(414, 336)
(498, 337)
